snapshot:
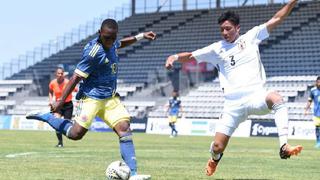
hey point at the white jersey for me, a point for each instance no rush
(239, 64)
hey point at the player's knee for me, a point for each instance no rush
(218, 147)
(76, 134)
(274, 98)
(126, 137)
(123, 127)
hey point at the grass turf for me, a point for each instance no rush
(32, 155)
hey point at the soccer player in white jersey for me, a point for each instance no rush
(242, 77)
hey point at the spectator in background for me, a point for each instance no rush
(315, 97)
(56, 88)
(138, 112)
(173, 108)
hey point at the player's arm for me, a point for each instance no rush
(280, 15)
(84, 68)
(307, 108)
(181, 110)
(132, 39)
(167, 108)
(180, 57)
(75, 79)
(50, 96)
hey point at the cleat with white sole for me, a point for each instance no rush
(286, 151)
(39, 115)
(140, 177)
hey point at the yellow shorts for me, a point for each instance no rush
(316, 120)
(172, 119)
(110, 110)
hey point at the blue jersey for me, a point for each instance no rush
(315, 97)
(174, 106)
(99, 67)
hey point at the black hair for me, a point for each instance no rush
(230, 16)
(176, 91)
(111, 23)
(318, 78)
(59, 67)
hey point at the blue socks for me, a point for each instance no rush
(59, 124)
(173, 129)
(318, 134)
(128, 153)
(127, 149)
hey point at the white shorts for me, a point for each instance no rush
(239, 106)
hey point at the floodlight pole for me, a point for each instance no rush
(184, 5)
(218, 3)
(133, 7)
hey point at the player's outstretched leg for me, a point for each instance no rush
(213, 161)
(287, 150)
(39, 115)
(59, 124)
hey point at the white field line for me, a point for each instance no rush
(19, 154)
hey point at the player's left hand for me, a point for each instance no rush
(150, 35)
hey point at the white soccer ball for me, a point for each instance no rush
(118, 170)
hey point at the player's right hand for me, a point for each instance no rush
(169, 62)
(56, 106)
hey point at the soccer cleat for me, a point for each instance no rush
(287, 150)
(140, 177)
(176, 134)
(317, 145)
(38, 115)
(212, 165)
(59, 145)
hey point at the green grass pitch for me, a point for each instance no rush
(32, 155)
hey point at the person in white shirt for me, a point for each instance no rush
(242, 77)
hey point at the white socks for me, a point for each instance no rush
(213, 155)
(281, 120)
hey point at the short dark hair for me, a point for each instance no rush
(59, 67)
(230, 16)
(318, 78)
(111, 23)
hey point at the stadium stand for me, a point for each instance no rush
(9, 88)
(206, 101)
(6, 105)
(290, 56)
(172, 27)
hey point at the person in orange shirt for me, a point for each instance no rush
(56, 88)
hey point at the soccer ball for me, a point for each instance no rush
(118, 170)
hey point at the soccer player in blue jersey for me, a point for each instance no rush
(315, 97)
(173, 110)
(97, 71)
